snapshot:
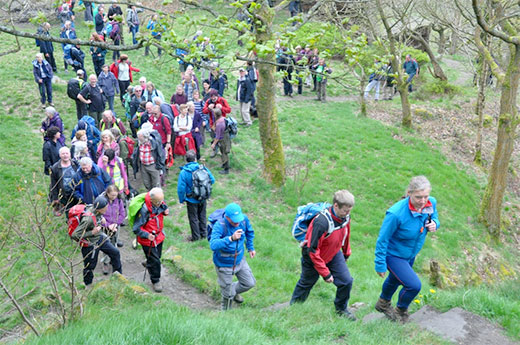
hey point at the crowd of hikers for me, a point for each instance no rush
(91, 184)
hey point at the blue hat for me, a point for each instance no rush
(100, 202)
(234, 212)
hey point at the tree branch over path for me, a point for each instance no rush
(493, 32)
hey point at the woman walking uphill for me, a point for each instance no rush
(401, 237)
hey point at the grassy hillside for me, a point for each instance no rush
(327, 148)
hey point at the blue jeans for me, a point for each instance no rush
(401, 273)
(45, 90)
(90, 258)
(342, 279)
(134, 30)
(409, 81)
(110, 100)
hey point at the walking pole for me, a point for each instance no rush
(147, 256)
(233, 272)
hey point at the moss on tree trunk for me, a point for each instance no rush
(491, 207)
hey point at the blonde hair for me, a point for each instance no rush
(80, 133)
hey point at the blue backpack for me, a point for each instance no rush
(215, 216)
(306, 214)
(231, 126)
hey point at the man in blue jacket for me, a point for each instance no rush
(411, 68)
(196, 204)
(89, 181)
(227, 243)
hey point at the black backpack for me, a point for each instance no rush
(73, 88)
(201, 184)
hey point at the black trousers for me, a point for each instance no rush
(51, 61)
(197, 218)
(81, 109)
(90, 258)
(287, 86)
(123, 85)
(342, 279)
(153, 261)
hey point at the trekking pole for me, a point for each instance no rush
(233, 272)
(148, 255)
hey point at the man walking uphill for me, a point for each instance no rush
(148, 227)
(227, 243)
(325, 251)
(194, 187)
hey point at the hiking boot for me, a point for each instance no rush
(120, 243)
(385, 307)
(346, 314)
(227, 303)
(238, 298)
(402, 314)
(157, 287)
(106, 268)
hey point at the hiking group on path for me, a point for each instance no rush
(90, 184)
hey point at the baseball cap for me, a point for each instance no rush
(234, 212)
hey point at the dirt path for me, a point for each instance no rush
(465, 72)
(173, 287)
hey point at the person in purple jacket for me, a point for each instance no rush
(115, 216)
(52, 118)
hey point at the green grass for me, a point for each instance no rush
(327, 148)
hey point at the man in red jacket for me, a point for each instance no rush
(215, 101)
(325, 251)
(148, 226)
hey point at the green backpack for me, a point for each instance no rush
(133, 209)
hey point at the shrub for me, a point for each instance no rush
(441, 87)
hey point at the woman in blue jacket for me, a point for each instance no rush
(401, 237)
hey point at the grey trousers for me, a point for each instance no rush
(151, 176)
(245, 277)
(244, 111)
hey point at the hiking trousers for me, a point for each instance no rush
(151, 176)
(246, 280)
(153, 261)
(90, 258)
(342, 279)
(197, 218)
(45, 88)
(401, 273)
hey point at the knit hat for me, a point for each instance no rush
(100, 202)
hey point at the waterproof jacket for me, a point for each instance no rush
(403, 231)
(185, 184)
(58, 185)
(55, 121)
(148, 220)
(50, 154)
(93, 134)
(116, 212)
(217, 83)
(47, 69)
(197, 123)
(46, 47)
(322, 247)
(104, 125)
(224, 249)
(114, 68)
(244, 90)
(108, 83)
(226, 109)
(410, 67)
(117, 171)
(87, 187)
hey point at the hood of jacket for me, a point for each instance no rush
(190, 167)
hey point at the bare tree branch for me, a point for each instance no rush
(18, 307)
(493, 32)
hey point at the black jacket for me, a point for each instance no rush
(50, 154)
(58, 192)
(246, 90)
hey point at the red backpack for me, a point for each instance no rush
(131, 144)
(75, 214)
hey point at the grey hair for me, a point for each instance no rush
(85, 161)
(39, 55)
(145, 133)
(157, 100)
(50, 110)
(63, 148)
(156, 191)
(191, 156)
(108, 132)
(418, 183)
(343, 198)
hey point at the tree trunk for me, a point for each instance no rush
(437, 69)
(481, 99)
(491, 207)
(401, 77)
(454, 42)
(441, 49)
(362, 100)
(274, 160)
